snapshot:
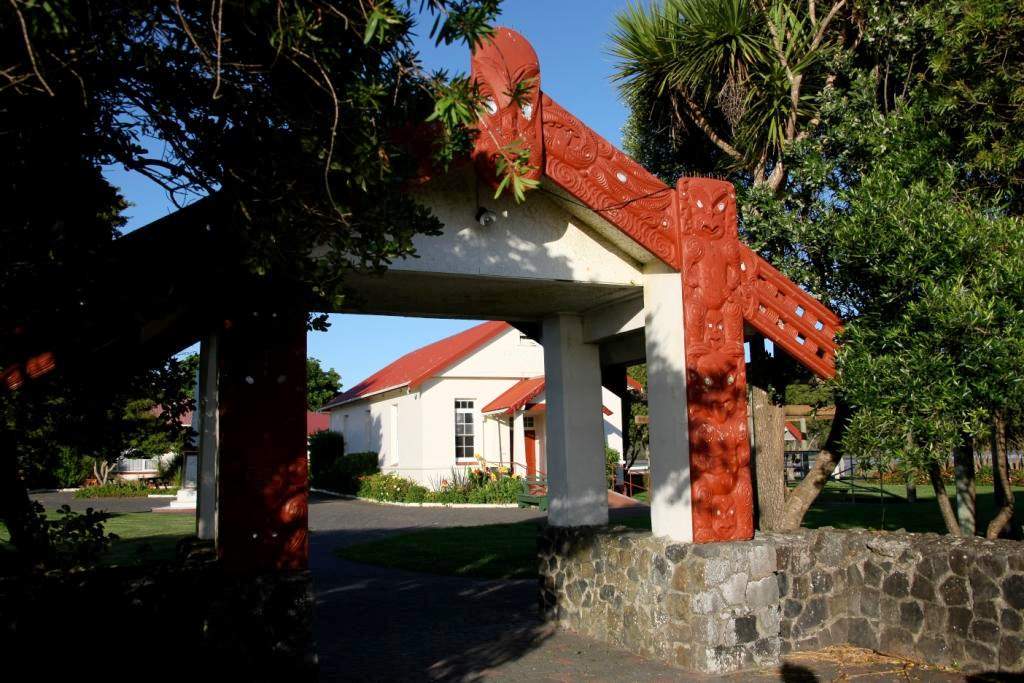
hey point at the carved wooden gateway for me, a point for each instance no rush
(692, 228)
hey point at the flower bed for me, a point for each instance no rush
(121, 489)
(475, 486)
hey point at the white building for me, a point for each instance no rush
(476, 393)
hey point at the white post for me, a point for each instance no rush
(671, 513)
(519, 438)
(209, 437)
(577, 494)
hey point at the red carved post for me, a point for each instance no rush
(714, 299)
(263, 487)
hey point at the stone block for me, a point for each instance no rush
(954, 591)
(984, 630)
(1013, 591)
(959, 562)
(911, 616)
(872, 574)
(769, 620)
(747, 629)
(982, 587)
(814, 614)
(896, 585)
(762, 593)
(979, 655)
(734, 589)
(1010, 620)
(707, 602)
(897, 641)
(922, 588)
(870, 603)
(861, 633)
(1011, 651)
(958, 621)
(763, 561)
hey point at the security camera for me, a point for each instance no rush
(485, 217)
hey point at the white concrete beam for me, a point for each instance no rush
(614, 319)
(209, 437)
(577, 491)
(671, 513)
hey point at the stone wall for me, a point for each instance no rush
(712, 607)
(728, 606)
(937, 599)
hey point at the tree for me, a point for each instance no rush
(907, 123)
(321, 385)
(737, 78)
(288, 115)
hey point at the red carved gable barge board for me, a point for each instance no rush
(692, 228)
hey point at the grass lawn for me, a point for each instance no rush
(504, 551)
(144, 537)
(493, 551)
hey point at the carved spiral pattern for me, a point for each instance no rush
(609, 182)
(714, 298)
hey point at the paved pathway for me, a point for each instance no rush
(384, 624)
(376, 624)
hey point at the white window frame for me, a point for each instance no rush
(460, 408)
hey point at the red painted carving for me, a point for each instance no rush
(497, 67)
(610, 183)
(714, 299)
(789, 316)
(263, 484)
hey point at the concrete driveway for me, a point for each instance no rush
(378, 624)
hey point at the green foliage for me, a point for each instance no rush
(119, 488)
(70, 539)
(321, 385)
(70, 469)
(460, 487)
(611, 463)
(391, 488)
(325, 448)
(345, 473)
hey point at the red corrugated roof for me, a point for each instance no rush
(791, 428)
(317, 422)
(416, 367)
(519, 396)
(516, 396)
(634, 385)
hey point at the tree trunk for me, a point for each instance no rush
(801, 498)
(1001, 480)
(966, 497)
(769, 465)
(939, 486)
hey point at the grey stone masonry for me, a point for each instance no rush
(712, 607)
(722, 607)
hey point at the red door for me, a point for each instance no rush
(530, 440)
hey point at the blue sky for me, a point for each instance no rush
(571, 40)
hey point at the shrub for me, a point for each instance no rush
(491, 488)
(344, 474)
(325, 449)
(71, 469)
(611, 462)
(391, 488)
(119, 488)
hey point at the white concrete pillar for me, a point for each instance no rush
(671, 513)
(577, 493)
(519, 438)
(207, 402)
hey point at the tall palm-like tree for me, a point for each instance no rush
(742, 74)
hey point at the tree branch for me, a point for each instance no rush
(697, 116)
